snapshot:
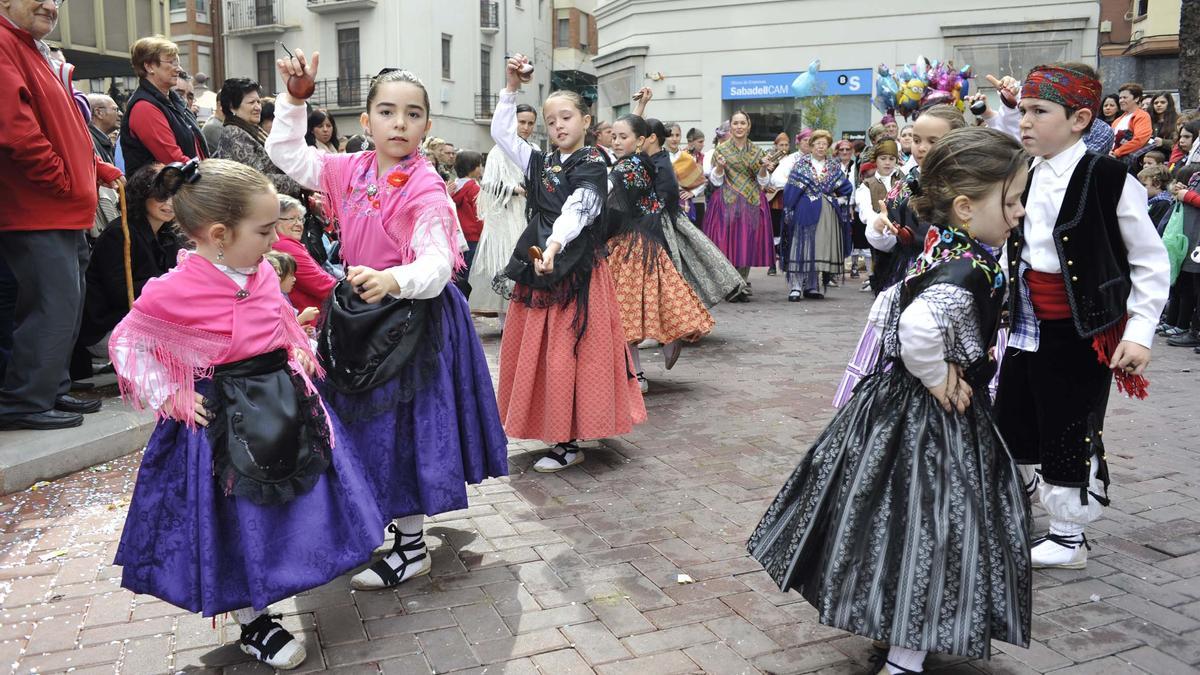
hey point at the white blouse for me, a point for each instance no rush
(582, 205)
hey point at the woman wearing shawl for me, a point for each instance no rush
(815, 220)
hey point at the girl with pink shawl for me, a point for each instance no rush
(432, 426)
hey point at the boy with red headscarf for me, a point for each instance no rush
(1088, 278)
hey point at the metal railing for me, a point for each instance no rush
(489, 14)
(341, 93)
(241, 15)
(485, 105)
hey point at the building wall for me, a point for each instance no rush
(96, 36)
(693, 43)
(408, 35)
(192, 28)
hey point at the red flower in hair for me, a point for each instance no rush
(398, 179)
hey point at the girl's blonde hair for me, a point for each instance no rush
(948, 114)
(966, 162)
(221, 193)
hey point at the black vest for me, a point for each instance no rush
(183, 125)
(1091, 252)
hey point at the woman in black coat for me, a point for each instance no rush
(154, 245)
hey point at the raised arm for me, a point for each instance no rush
(285, 145)
(504, 117)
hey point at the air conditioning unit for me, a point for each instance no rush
(1105, 26)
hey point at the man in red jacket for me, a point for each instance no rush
(48, 177)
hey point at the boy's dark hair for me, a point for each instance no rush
(268, 110)
(1184, 173)
(1087, 71)
(1157, 154)
(467, 161)
(693, 134)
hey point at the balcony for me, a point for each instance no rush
(489, 16)
(254, 17)
(485, 105)
(337, 93)
(331, 6)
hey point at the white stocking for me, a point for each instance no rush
(906, 659)
(247, 615)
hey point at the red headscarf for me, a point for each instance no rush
(1069, 88)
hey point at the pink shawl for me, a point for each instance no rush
(379, 229)
(194, 318)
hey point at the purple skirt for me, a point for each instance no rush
(741, 230)
(187, 543)
(421, 448)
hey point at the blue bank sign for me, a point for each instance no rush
(779, 85)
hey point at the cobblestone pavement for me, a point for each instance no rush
(577, 572)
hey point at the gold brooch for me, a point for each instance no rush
(556, 168)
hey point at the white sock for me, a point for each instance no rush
(1065, 528)
(906, 659)
(637, 357)
(797, 285)
(1028, 473)
(247, 615)
(412, 528)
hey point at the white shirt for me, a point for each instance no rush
(582, 205)
(884, 241)
(779, 177)
(1149, 268)
(427, 275)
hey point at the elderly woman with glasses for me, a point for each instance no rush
(313, 283)
(158, 127)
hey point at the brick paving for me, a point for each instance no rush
(577, 572)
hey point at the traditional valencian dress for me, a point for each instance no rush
(503, 212)
(906, 523)
(407, 375)
(655, 300)
(696, 257)
(564, 362)
(815, 220)
(267, 500)
(738, 219)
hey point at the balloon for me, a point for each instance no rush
(805, 85)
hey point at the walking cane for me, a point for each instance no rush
(128, 244)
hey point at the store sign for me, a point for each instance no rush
(779, 85)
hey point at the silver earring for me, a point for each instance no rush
(220, 251)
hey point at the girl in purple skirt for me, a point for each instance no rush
(405, 369)
(245, 495)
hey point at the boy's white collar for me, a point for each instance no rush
(1065, 160)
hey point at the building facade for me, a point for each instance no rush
(96, 34)
(1139, 42)
(576, 41)
(457, 47)
(196, 28)
(704, 61)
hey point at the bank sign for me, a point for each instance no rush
(779, 85)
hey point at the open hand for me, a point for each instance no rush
(883, 224)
